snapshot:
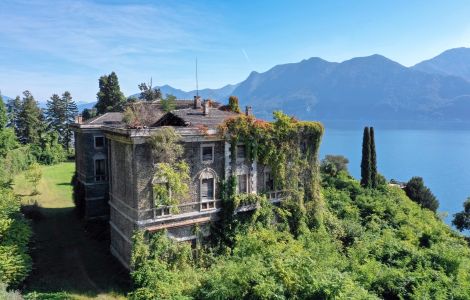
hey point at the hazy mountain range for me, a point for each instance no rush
(372, 88)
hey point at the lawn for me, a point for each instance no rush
(68, 255)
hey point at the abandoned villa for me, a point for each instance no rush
(115, 171)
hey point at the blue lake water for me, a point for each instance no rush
(441, 157)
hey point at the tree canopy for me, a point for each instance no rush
(110, 97)
(419, 193)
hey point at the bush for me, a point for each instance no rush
(419, 193)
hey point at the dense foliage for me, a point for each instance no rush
(462, 219)
(333, 164)
(15, 232)
(110, 97)
(421, 194)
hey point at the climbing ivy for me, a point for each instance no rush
(290, 149)
(171, 175)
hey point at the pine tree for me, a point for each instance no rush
(30, 120)
(14, 108)
(365, 162)
(110, 97)
(373, 160)
(54, 111)
(3, 114)
(70, 112)
(7, 135)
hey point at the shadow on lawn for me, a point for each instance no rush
(72, 257)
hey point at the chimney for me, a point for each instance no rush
(79, 119)
(248, 111)
(205, 107)
(197, 102)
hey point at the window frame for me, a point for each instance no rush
(101, 177)
(247, 189)
(94, 141)
(206, 203)
(266, 172)
(212, 146)
(238, 158)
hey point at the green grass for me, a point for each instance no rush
(68, 255)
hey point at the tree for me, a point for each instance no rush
(3, 113)
(373, 160)
(169, 103)
(333, 164)
(148, 93)
(33, 175)
(366, 161)
(462, 219)
(233, 104)
(110, 97)
(70, 111)
(419, 193)
(54, 114)
(89, 113)
(30, 120)
(8, 140)
(14, 108)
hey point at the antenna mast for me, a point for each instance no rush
(197, 83)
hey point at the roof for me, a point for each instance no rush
(107, 118)
(194, 117)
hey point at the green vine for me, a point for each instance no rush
(290, 149)
(171, 176)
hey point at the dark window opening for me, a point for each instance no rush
(268, 182)
(242, 186)
(100, 170)
(241, 152)
(207, 189)
(207, 153)
(99, 142)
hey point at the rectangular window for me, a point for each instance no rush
(99, 141)
(100, 170)
(268, 182)
(242, 184)
(207, 153)
(241, 152)
(207, 189)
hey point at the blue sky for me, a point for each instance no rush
(52, 46)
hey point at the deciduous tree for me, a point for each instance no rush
(462, 219)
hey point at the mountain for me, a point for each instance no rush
(364, 88)
(220, 94)
(451, 62)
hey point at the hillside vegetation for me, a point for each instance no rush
(373, 243)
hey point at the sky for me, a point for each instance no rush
(51, 46)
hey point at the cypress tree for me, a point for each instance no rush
(373, 160)
(365, 162)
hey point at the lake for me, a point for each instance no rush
(441, 157)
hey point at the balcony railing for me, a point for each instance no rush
(180, 210)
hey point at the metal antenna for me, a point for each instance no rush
(197, 83)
